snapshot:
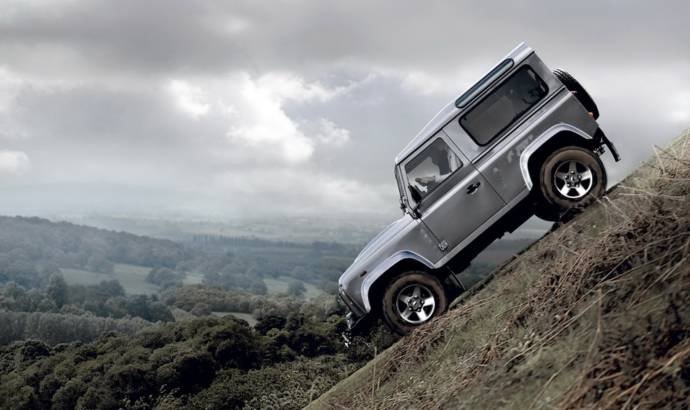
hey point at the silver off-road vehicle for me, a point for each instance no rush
(522, 141)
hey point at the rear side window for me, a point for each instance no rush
(504, 105)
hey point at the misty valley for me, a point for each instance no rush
(95, 318)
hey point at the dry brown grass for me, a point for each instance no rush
(597, 314)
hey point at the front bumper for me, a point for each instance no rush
(352, 322)
(355, 315)
(352, 306)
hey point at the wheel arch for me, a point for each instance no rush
(556, 137)
(375, 284)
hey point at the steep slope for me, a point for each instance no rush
(596, 314)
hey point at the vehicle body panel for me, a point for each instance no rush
(405, 237)
(478, 201)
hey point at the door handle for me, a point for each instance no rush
(472, 189)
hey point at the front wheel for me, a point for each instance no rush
(412, 299)
(572, 178)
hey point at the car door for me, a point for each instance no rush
(452, 197)
(494, 130)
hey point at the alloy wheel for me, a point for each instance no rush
(415, 303)
(573, 179)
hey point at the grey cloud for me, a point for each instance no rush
(89, 102)
(182, 36)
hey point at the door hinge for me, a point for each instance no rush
(443, 246)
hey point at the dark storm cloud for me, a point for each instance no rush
(202, 36)
(236, 107)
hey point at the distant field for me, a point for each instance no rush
(280, 285)
(193, 278)
(133, 280)
(131, 277)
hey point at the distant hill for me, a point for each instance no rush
(31, 249)
(54, 328)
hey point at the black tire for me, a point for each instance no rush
(392, 306)
(559, 184)
(546, 211)
(580, 93)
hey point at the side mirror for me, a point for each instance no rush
(414, 211)
(415, 194)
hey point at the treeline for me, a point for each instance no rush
(222, 241)
(106, 299)
(209, 363)
(243, 268)
(202, 300)
(237, 262)
(232, 271)
(32, 249)
(54, 328)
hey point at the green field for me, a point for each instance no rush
(280, 285)
(131, 277)
(193, 278)
(133, 280)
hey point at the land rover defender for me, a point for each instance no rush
(522, 141)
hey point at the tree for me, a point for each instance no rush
(165, 277)
(296, 288)
(109, 288)
(269, 322)
(201, 309)
(259, 287)
(57, 290)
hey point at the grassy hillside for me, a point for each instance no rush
(596, 314)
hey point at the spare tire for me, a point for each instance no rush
(576, 88)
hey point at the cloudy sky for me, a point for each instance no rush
(246, 108)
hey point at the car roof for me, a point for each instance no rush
(449, 111)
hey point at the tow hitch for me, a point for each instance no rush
(347, 338)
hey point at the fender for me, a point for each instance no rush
(384, 267)
(539, 141)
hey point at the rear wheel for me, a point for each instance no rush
(572, 178)
(412, 299)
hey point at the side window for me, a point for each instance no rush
(504, 105)
(430, 167)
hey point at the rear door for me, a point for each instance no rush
(454, 199)
(495, 129)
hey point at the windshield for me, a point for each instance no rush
(401, 187)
